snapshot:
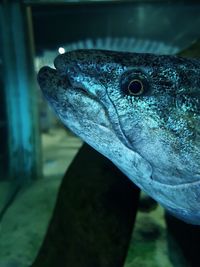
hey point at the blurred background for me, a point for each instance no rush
(35, 149)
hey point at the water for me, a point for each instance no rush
(26, 207)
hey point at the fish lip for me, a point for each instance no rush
(42, 75)
(45, 81)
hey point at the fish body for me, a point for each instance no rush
(142, 111)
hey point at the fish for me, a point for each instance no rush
(141, 111)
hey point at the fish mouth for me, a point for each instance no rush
(50, 79)
(57, 87)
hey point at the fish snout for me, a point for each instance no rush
(80, 68)
(47, 79)
(50, 82)
(72, 61)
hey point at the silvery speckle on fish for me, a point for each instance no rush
(142, 111)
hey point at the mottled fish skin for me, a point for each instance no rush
(153, 137)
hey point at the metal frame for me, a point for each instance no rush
(20, 92)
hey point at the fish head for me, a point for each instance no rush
(139, 110)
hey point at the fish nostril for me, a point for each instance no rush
(78, 85)
(81, 89)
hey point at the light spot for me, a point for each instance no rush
(61, 50)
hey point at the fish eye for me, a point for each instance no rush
(134, 83)
(135, 87)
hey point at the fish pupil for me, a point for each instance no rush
(134, 83)
(135, 87)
